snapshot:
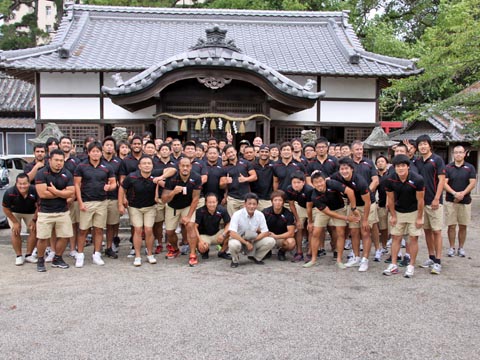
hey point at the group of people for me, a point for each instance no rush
(257, 200)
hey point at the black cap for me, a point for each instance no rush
(264, 147)
(245, 141)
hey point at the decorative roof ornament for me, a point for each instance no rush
(216, 37)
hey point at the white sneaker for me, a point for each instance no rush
(73, 253)
(378, 255)
(35, 252)
(115, 247)
(409, 271)
(389, 243)
(353, 261)
(151, 259)
(350, 255)
(97, 259)
(403, 244)
(31, 259)
(131, 254)
(363, 265)
(79, 260)
(348, 245)
(137, 261)
(461, 252)
(428, 263)
(19, 260)
(392, 269)
(50, 256)
(451, 252)
(436, 269)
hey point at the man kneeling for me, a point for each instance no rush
(207, 224)
(249, 231)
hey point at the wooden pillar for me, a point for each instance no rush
(159, 129)
(266, 131)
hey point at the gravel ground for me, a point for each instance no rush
(276, 311)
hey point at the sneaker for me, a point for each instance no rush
(363, 265)
(97, 259)
(115, 248)
(206, 254)
(385, 250)
(405, 261)
(193, 261)
(19, 260)
(389, 243)
(309, 264)
(73, 253)
(224, 255)
(281, 256)
(297, 258)
(436, 269)
(131, 253)
(403, 244)
(409, 271)
(31, 259)
(348, 245)
(353, 261)
(451, 252)
(116, 241)
(461, 252)
(137, 261)
(335, 254)
(321, 252)
(350, 255)
(378, 255)
(79, 260)
(88, 240)
(110, 253)
(428, 263)
(341, 265)
(233, 264)
(151, 259)
(41, 265)
(172, 253)
(185, 249)
(307, 257)
(158, 249)
(389, 259)
(50, 256)
(391, 270)
(58, 262)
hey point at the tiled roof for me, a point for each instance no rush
(16, 95)
(104, 38)
(17, 123)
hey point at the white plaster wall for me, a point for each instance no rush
(112, 111)
(69, 108)
(70, 83)
(347, 112)
(349, 88)
(304, 115)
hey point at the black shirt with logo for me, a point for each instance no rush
(357, 183)
(236, 189)
(209, 224)
(459, 178)
(94, 179)
(263, 186)
(284, 172)
(431, 169)
(17, 203)
(140, 190)
(301, 197)
(405, 191)
(61, 181)
(332, 197)
(181, 201)
(278, 223)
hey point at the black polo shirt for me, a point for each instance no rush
(459, 178)
(15, 202)
(431, 169)
(129, 164)
(263, 186)
(29, 167)
(382, 195)
(277, 223)
(357, 183)
(114, 164)
(284, 172)
(158, 164)
(328, 167)
(72, 162)
(181, 201)
(93, 180)
(405, 192)
(302, 197)
(236, 189)
(215, 172)
(140, 190)
(209, 224)
(331, 198)
(61, 181)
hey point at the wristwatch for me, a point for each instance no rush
(353, 209)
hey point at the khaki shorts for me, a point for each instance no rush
(302, 213)
(406, 224)
(433, 219)
(322, 220)
(74, 212)
(96, 215)
(235, 205)
(173, 216)
(263, 204)
(47, 222)
(201, 202)
(372, 216)
(458, 214)
(211, 239)
(140, 217)
(382, 213)
(113, 215)
(160, 212)
(27, 218)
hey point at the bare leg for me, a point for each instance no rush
(462, 235)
